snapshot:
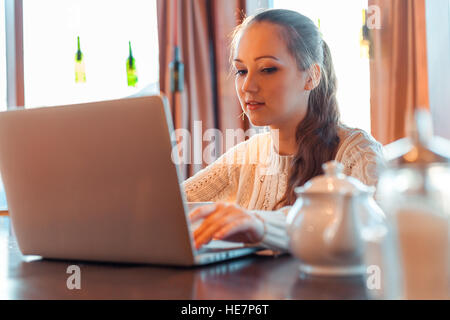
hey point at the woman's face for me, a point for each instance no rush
(271, 88)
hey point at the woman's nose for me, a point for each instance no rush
(250, 84)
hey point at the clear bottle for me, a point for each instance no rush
(414, 192)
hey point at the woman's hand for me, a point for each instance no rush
(226, 221)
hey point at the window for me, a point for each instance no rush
(50, 31)
(105, 27)
(340, 25)
(2, 57)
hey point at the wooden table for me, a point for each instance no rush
(252, 277)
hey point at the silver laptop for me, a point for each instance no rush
(96, 182)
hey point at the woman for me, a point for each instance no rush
(285, 80)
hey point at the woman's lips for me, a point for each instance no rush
(254, 106)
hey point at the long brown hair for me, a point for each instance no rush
(317, 134)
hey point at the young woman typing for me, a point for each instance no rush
(285, 80)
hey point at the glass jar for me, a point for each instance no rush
(414, 193)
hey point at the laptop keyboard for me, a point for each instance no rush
(219, 245)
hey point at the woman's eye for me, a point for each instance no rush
(269, 70)
(240, 72)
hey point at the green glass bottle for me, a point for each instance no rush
(131, 69)
(364, 38)
(319, 27)
(176, 68)
(80, 71)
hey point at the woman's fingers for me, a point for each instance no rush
(213, 218)
(209, 227)
(233, 228)
(224, 221)
(203, 211)
(246, 229)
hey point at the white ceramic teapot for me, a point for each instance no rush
(326, 223)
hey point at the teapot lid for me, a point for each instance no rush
(334, 181)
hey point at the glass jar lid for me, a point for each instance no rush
(421, 148)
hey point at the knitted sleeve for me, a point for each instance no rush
(275, 236)
(363, 158)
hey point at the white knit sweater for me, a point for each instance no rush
(253, 175)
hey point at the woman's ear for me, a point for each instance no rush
(313, 77)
